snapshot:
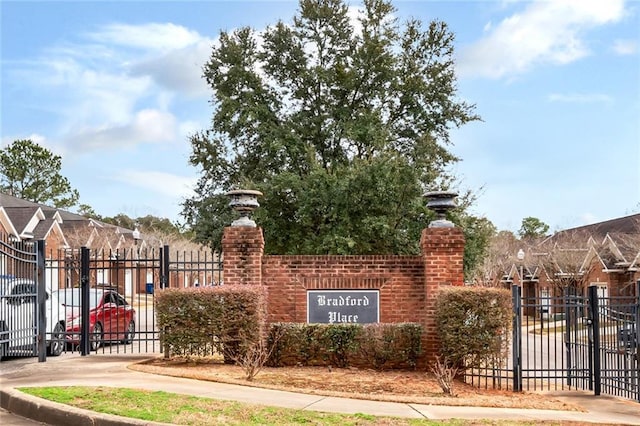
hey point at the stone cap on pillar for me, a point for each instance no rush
(441, 202)
(244, 201)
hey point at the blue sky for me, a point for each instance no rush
(114, 87)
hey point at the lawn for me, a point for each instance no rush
(184, 410)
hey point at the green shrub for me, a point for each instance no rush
(341, 345)
(473, 324)
(391, 345)
(300, 344)
(207, 320)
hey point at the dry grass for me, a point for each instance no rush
(396, 385)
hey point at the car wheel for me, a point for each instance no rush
(131, 331)
(95, 339)
(56, 344)
(4, 347)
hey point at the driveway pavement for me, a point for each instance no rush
(111, 370)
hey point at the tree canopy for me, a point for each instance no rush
(32, 172)
(341, 123)
(146, 224)
(532, 227)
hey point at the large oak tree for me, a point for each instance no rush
(341, 123)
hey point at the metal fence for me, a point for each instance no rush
(113, 289)
(22, 293)
(585, 342)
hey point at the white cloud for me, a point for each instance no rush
(178, 70)
(582, 98)
(116, 87)
(147, 126)
(188, 128)
(153, 36)
(83, 89)
(545, 32)
(173, 56)
(158, 182)
(625, 47)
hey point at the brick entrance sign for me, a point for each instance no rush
(349, 289)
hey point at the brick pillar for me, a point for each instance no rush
(242, 249)
(442, 251)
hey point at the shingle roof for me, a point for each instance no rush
(20, 212)
(20, 216)
(622, 225)
(10, 201)
(42, 229)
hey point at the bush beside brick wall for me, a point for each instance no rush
(380, 346)
(202, 321)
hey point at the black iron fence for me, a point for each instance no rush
(95, 300)
(22, 295)
(572, 341)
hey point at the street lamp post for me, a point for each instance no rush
(520, 256)
(517, 327)
(136, 235)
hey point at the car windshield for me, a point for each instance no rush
(71, 297)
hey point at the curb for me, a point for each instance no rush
(56, 414)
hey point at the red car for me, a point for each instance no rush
(111, 318)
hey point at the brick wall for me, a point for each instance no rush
(408, 285)
(242, 248)
(442, 251)
(398, 278)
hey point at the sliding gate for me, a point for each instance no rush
(569, 342)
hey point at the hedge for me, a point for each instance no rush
(342, 345)
(473, 324)
(203, 321)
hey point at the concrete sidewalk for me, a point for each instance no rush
(111, 370)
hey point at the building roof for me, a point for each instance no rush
(40, 219)
(21, 216)
(11, 201)
(622, 225)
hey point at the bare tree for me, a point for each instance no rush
(496, 265)
(568, 258)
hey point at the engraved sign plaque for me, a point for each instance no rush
(343, 306)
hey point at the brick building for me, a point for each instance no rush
(605, 254)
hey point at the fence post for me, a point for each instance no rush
(516, 295)
(164, 266)
(595, 341)
(637, 323)
(637, 330)
(41, 291)
(85, 344)
(569, 316)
